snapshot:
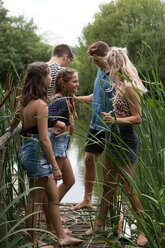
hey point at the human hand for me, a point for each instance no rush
(57, 174)
(107, 117)
(75, 99)
(58, 130)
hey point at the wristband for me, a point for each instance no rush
(54, 169)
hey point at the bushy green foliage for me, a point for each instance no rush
(125, 23)
(19, 43)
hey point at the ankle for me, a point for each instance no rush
(99, 224)
(87, 200)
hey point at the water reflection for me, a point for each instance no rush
(77, 161)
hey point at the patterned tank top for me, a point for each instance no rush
(121, 106)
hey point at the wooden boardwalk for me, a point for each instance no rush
(78, 221)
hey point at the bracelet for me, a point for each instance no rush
(54, 169)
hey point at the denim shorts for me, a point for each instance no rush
(60, 144)
(32, 158)
(123, 142)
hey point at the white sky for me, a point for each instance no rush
(61, 21)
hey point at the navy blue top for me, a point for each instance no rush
(58, 111)
(101, 102)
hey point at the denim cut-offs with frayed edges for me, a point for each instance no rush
(36, 164)
(60, 144)
(124, 142)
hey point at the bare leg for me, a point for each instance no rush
(63, 188)
(53, 210)
(90, 178)
(35, 198)
(135, 201)
(67, 176)
(54, 214)
(108, 191)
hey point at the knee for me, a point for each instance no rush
(53, 197)
(129, 189)
(89, 160)
(109, 189)
(71, 182)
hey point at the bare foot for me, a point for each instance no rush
(69, 241)
(96, 230)
(41, 244)
(142, 240)
(51, 229)
(83, 204)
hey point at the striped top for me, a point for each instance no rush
(55, 68)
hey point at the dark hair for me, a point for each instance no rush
(64, 76)
(62, 49)
(34, 83)
(98, 48)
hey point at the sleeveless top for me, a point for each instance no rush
(58, 111)
(31, 130)
(121, 106)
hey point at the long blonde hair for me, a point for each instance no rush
(119, 62)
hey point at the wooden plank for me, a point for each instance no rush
(8, 135)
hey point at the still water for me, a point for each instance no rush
(76, 156)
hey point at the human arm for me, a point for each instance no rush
(60, 127)
(42, 123)
(86, 99)
(134, 104)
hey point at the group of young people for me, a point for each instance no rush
(47, 110)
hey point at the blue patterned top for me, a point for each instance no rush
(58, 110)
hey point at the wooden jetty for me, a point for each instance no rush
(78, 221)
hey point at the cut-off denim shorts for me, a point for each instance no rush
(32, 158)
(123, 142)
(60, 144)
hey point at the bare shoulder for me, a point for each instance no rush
(41, 107)
(132, 93)
(130, 90)
(40, 103)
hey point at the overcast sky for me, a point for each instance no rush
(61, 21)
